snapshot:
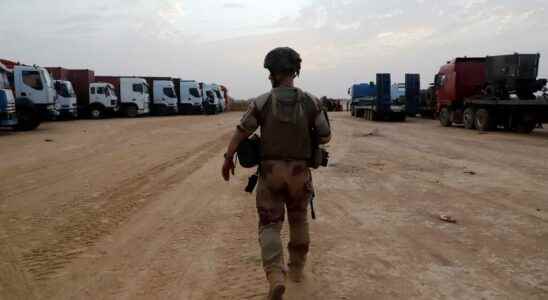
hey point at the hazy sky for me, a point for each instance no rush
(341, 42)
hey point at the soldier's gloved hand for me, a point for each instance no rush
(228, 167)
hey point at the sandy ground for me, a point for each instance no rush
(136, 209)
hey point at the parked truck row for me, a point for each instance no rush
(55, 92)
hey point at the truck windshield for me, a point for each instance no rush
(145, 89)
(62, 89)
(47, 78)
(70, 91)
(107, 91)
(169, 92)
(218, 94)
(4, 83)
(194, 92)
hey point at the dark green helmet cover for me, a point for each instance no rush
(283, 60)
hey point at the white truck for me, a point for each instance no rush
(102, 99)
(132, 92)
(163, 97)
(65, 101)
(190, 96)
(211, 102)
(33, 85)
(219, 94)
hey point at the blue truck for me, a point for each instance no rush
(373, 101)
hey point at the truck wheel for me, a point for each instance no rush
(445, 117)
(96, 112)
(161, 110)
(484, 120)
(27, 119)
(469, 118)
(526, 127)
(131, 111)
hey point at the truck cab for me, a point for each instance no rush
(362, 94)
(102, 99)
(220, 97)
(210, 100)
(397, 95)
(65, 101)
(164, 98)
(8, 117)
(191, 100)
(134, 96)
(34, 84)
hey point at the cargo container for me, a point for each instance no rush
(190, 96)
(412, 94)
(8, 64)
(132, 92)
(490, 92)
(163, 98)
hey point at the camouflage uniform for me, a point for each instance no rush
(286, 116)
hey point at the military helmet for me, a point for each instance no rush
(283, 60)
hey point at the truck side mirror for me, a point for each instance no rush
(437, 81)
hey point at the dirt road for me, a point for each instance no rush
(136, 209)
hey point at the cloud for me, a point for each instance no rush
(233, 5)
(341, 42)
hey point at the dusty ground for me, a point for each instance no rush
(130, 209)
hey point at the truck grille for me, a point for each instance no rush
(10, 108)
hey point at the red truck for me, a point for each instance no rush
(487, 92)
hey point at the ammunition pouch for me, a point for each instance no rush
(320, 158)
(249, 152)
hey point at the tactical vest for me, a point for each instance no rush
(286, 120)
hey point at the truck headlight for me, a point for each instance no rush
(397, 108)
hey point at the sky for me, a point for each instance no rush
(341, 42)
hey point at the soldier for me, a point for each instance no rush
(289, 119)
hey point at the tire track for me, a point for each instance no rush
(90, 222)
(241, 275)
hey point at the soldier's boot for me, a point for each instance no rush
(296, 274)
(297, 261)
(276, 279)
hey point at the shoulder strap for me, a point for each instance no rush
(312, 107)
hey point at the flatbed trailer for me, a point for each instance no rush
(489, 114)
(373, 112)
(376, 104)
